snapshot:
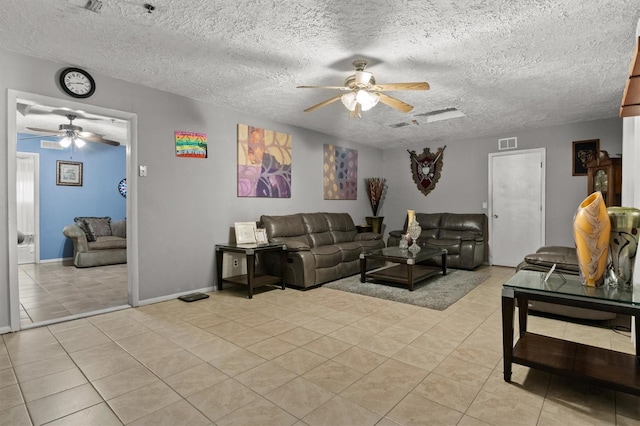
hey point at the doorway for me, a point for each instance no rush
(129, 274)
(28, 206)
(516, 205)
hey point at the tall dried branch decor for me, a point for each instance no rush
(375, 191)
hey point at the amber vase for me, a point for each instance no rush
(623, 244)
(591, 231)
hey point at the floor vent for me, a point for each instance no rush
(507, 143)
(50, 145)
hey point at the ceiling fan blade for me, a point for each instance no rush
(325, 87)
(37, 129)
(401, 86)
(395, 103)
(39, 136)
(323, 103)
(94, 137)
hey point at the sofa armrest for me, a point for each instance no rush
(368, 236)
(293, 246)
(471, 254)
(78, 237)
(397, 233)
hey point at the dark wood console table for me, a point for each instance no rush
(603, 367)
(250, 279)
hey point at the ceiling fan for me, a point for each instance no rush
(362, 92)
(73, 134)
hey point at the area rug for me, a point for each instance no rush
(438, 292)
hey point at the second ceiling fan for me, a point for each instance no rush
(362, 92)
(74, 134)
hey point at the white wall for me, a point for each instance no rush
(185, 206)
(463, 186)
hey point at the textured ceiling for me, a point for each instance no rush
(508, 65)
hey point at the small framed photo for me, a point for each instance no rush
(68, 173)
(583, 153)
(261, 236)
(245, 232)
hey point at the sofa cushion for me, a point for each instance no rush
(318, 229)
(452, 246)
(350, 250)
(342, 227)
(94, 227)
(108, 243)
(119, 228)
(326, 256)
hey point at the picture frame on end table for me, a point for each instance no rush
(245, 232)
(68, 173)
(583, 152)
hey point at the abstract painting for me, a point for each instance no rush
(340, 173)
(189, 144)
(264, 163)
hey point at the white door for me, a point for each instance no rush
(516, 205)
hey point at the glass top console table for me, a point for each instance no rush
(603, 367)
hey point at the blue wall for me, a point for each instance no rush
(103, 168)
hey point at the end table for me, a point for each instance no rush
(250, 279)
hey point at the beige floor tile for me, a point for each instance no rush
(333, 376)
(237, 362)
(96, 353)
(350, 334)
(15, 416)
(463, 371)
(327, 347)
(275, 327)
(97, 415)
(10, 396)
(178, 413)
(436, 343)
(80, 343)
(471, 421)
(36, 354)
(265, 377)
(247, 337)
(447, 392)
(44, 367)
(5, 362)
(421, 358)
(172, 363)
(109, 366)
(579, 398)
(223, 398)
(7, 377)
(299, 396)
(400, 334)
(375, 394)
(360, 359)
(341, 411)
(299, 360)
(214, 349)
(299, 336)
(381, 345)
(143, 401)
(323, 326)
(417, 410)
(53, 383)
(63, 403)
(498, 410)
(195, 379)
(271, 348)
(399, 374)
(125, 381)
(127, 330)
(258, 412)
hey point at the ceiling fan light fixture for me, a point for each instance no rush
(363, 77)
(349, 101)
(366, 99)
(65, 142)
(79, 142)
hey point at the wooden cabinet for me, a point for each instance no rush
(605, 175)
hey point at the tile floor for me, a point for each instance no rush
(320, 357)
(52, 290)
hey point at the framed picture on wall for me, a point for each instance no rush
(583, 152)
(68, 173)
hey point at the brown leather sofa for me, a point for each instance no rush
(464, 235)
(566, 261)
(321, 247)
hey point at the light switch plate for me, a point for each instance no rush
(143, 170)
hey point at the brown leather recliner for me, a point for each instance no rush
(321, 247)
(464, 235)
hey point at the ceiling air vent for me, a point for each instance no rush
(442, 114)
(50, 145)
(395, 126)
(93, 5)
(507, 143)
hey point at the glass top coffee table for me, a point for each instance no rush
(408, 270)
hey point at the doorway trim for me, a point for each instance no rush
(132, 198)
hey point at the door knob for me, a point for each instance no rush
(495, 216)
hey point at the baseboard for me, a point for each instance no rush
(174, 296)
(59, 260)
(5, 330)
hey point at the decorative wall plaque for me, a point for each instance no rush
(426, 168)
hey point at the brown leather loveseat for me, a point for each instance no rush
(321, 247)
(464, 235)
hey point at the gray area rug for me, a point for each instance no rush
(438, 292)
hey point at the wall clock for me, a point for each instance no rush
(77, 82)
(426, 168)
(122, 187)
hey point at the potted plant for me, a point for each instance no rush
(376, 188)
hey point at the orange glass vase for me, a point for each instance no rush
(591, 231)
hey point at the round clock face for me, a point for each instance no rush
(77, 83)
(122, 187)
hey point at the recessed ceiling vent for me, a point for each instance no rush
(507, 143)
(93, 5)
(50, 145)
(395, 126)
(442, 114)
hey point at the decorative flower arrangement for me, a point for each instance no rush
(375, 191)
